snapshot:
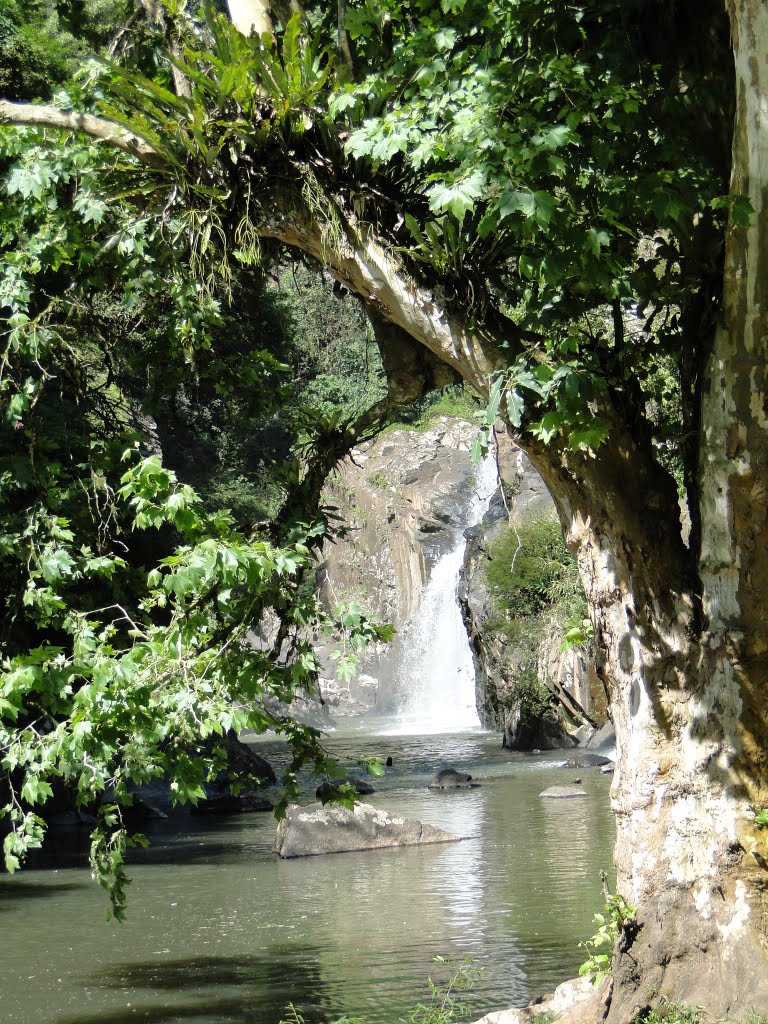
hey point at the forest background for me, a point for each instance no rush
(562, 205)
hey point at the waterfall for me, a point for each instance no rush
(431, 662)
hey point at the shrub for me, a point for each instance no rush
(529, 570)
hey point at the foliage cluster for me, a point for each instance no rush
(529, 570)
(131, 600)
(541, 148)
(616, 920)
(536, 591)
(41, 43)
(229, 426)
(670, 1013)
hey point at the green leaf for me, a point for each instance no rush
(515, 407)
(458, 197)
(741, 211)
(544, 208)
(56, 563)
(517, 201)
(373, 765)
(445, 38)
(597, 240)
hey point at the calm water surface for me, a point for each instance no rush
(220, 931)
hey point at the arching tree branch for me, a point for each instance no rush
(362, 264)
(99, 128)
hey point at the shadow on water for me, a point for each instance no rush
(175, 841)
(260, 990)
(190, 851)
(13, 890)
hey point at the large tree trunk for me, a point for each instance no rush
(686, 698)
(686, 658)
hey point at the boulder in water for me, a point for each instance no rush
(313, 830)
(449, 778)
(223, 802)
(604, 741)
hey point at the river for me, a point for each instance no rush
(220, 931)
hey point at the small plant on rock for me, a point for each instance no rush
(670, 1013)
(378, 480)
(617, 918)
(444, 1007)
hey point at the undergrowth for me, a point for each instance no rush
(444, 1005)
(456, 401)
(538, 598)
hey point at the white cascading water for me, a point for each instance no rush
(435, 667)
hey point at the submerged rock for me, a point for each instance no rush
(563, 792)
(226, 803)
(329, 790)
(449, 778)
(586, 760)
(313, 830)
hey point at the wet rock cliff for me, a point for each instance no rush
(402, 496)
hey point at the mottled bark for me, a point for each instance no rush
(99, 128)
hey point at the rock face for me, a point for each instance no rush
(401, 496)
(313, 830)
(573, 1002)
(566, 675)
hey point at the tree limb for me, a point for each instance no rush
(343, 42)
(99, 128)
(364, 266)
(159, 17)
(285, 9)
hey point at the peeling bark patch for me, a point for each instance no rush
(738, 922)
(702, 897)
(757, 401)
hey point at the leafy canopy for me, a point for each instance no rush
(554, 178)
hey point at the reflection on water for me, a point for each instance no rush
(219, 931)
